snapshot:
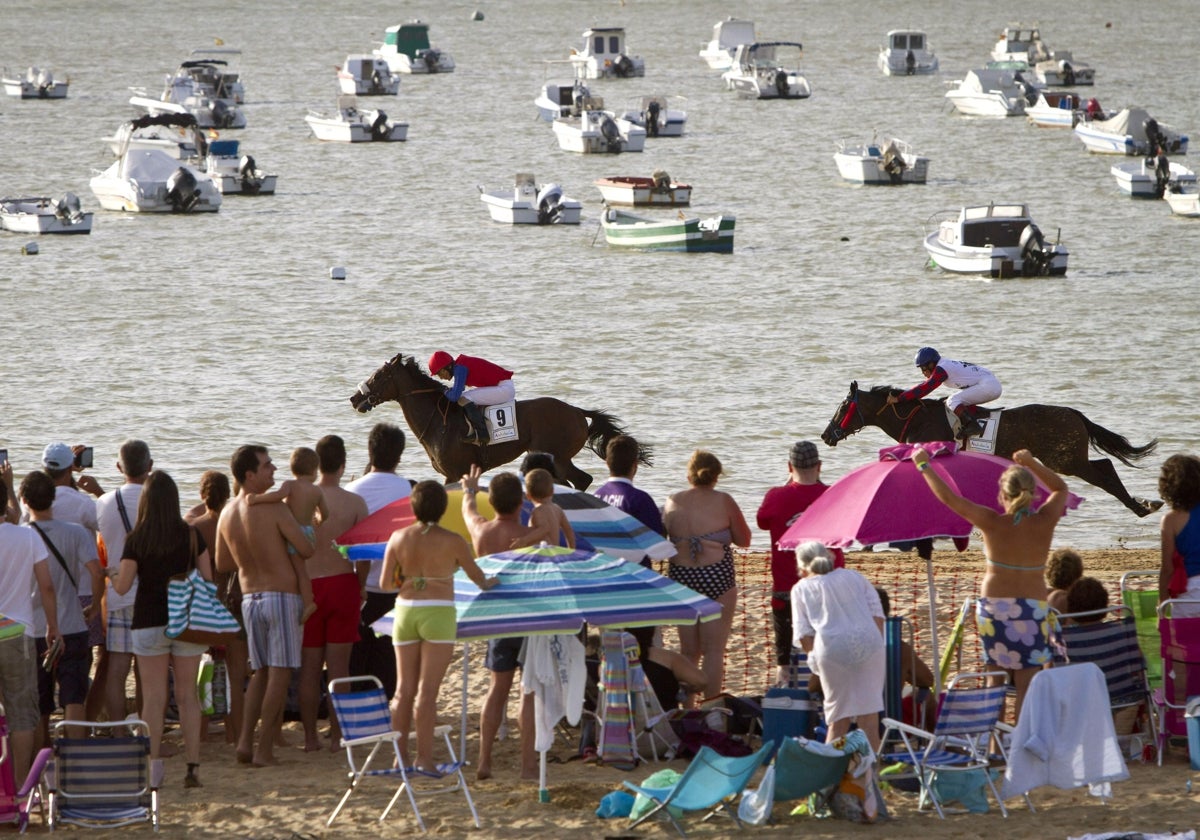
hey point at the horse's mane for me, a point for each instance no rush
(885, 390)
(411, 364)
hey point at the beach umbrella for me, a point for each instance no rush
(889, 501)
(368, 539)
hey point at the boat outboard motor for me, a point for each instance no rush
(910, 63)
(781, 82)
(432, 60)
(222, 115)
(893, 164)
(578, 93)
(623, 66)
(182, 190)
(45, 82)
(1035, 254)
(67, 209)
(650, 116)
(379, 128)
(376, 81)
(248, 172)
(661, 180)
(1154, 135)
(1162, 174)
(1068, 73)
(611, 134)
(549, 202)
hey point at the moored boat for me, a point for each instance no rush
(995, 240)
(236, 173)
(768, 70)
(988, 93)
(654, 114)
(406, 49)
(525, 203)
(1055, 109)
(367, 75)
(151, 181)
(34, 83)
(907, 53)
(659, 190)
(691, 234)
(1186, 202)
(42, 214)
(882, 160)
(596, 131)
(1152, 177)
(604, 57)
(350, 124)
(727, 35)
(1131, 131)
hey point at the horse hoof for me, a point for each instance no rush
(1149, 506)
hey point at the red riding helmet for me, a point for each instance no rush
(439, 360)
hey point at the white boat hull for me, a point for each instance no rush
(38, 216)
(355, 131)
(727, 35)
(1184, 203)
(641, 192)
(895, 63)
(868, 164)
(137, 183)
(985, 104)
(24, 89)
(767, 85)
(1138, 180)
(586, 134)
(505, 207)
(399, 62)
(988, 261)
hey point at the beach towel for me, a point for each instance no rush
(617, 736)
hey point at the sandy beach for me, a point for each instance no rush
(296, 797)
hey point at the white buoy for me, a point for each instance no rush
(477, 15)
(337, 273)
(29, 248)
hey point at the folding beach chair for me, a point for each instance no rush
(631, 719)
(804, 768)
(1139, 592)
(1113, 646)
(708, 784)
(961, 737)
(101, 782)
(366, 726)
(1181, 672)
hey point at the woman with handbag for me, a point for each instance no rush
(161, 546)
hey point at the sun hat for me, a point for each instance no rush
(58, 456)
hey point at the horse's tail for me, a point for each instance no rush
(1114, 444)
(603, 428)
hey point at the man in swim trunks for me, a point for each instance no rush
(330, 633)
(505, 493)
(488, 384)
(976, 385)
(253, 540)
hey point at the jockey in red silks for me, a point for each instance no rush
(476, 382)
(976, 385)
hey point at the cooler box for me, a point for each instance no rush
(1192, 717)
(787, 713)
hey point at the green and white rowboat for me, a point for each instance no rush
(625, 230)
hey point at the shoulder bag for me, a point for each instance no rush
(194, 613)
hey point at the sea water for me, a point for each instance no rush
(202, 333)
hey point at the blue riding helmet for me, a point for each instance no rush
(927, 356)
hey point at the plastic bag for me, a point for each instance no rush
(618, 803)
(659, 780)
(755, 807)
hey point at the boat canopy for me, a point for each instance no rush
(1130, 121)
(408, 38)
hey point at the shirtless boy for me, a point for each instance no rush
(547, 519)
(306, 501)
(253, 540)
(490, 537)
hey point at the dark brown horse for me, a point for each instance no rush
(1057, 435)
(544, 425)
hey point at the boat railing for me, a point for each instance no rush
(934, 222)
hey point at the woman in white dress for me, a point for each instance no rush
(838, 620)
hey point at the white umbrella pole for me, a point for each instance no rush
(543, 791)
(462, 729)
(933, 628)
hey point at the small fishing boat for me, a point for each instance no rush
(659, 190)
(525, 203)
(35, 83)
(367, 75)
(1186, 202)
(995, 240)
(235, 173)
(907, 53)
(767, 70)
(215, 68)
(1131, 131)
(44, 215)
(1056, 68)
(1152, 177)
(654, 114)
(727, 35)
(604, 57)
(692, 234)
(1055, 109)
(989, 93)
(883, 160)
(560, 99)
(349, 124)
(596, 131)
(406, 49)
(151, 181)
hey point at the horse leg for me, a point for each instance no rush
(1103, 474)
(573, 475)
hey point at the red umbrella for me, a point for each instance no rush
(367, 539)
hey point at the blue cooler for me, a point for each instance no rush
(1192, 716)
(787, 713)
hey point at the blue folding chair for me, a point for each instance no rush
(366, 726)
(801, 770)
(101, 782)
(960, 741)
(707, 785)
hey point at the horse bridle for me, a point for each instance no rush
(843, 426)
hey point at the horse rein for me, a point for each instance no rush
(906, 420)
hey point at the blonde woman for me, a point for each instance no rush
(837, 618)
(1012, 614)
(705, 523)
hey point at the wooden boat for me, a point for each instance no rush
(44, 215)
(692, 234)
(656, 191)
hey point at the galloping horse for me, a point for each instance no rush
(1057, 435)
(544, 425)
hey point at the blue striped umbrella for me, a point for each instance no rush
(555, 590)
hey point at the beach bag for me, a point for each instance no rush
(194, 613)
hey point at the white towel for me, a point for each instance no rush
(555, 671)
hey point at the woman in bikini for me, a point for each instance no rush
(419, 563)
(704, 524)
(1012, 614)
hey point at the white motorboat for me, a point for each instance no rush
(727, 35)
(883, 160)
(525, 203)
(659, 190)
(44, 215)
(406, 49)
(1152, 177)
(350, 124)
(1131, 131)
(1056, 68)
(151, 181)
(988, 93)
(768, 70)
(995, 240)
(215, 68)
(596, 131)
(185, 95)
(236, 173)
(367, 75)
(907, 53)
(560, 99)
(1055, 109)
(604, 57)
(654, 114)
(1186, 202)
(34, 83)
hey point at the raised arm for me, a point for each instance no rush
(1056, 502)
(279, 495)
(975, 514)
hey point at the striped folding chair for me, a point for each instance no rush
(101, 782)
(366, 725)
(961, 738)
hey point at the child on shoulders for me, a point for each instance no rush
(548, 519)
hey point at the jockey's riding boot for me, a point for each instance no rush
(968, 424)
(478, 425)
